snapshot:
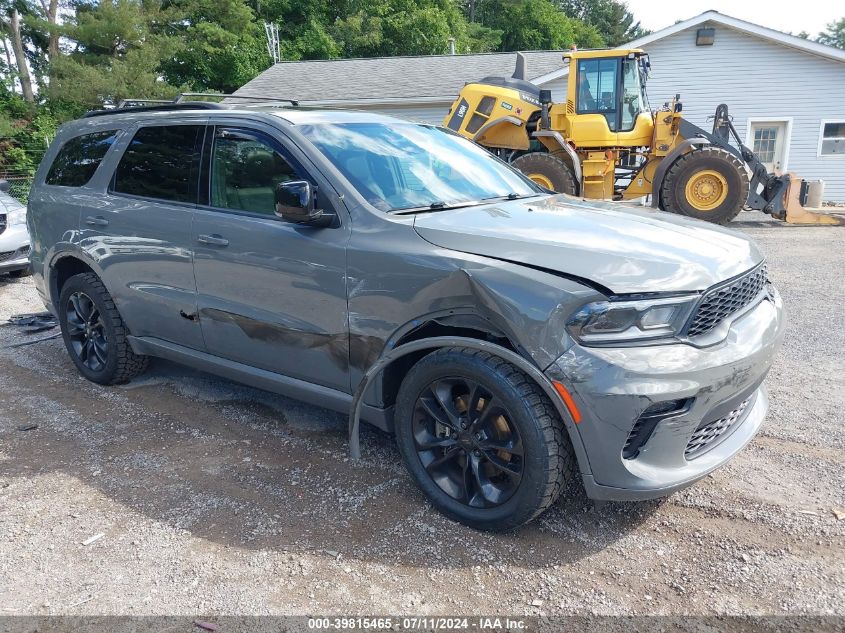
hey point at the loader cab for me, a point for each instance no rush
(608, 99)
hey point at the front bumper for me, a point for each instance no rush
(612, 387)
(14, 248)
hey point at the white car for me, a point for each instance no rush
(14, 237)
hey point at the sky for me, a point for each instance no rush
(807, 15)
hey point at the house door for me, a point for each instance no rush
(769, 140)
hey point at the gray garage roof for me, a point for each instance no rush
(389, 78)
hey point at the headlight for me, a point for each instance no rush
(607, 322)
(16, 216)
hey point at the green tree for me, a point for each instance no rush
(403, 27)
(220, 45)
(538, 25)
(613, 20)
(529, 24)
(12, 16)
(304, 26)
(25, 133)
(119, 47)
(834, 35)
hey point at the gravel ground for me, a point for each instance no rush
(216, 498)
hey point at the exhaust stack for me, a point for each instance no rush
(521, 69)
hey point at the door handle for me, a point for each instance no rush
(98, 221)
(213, 240)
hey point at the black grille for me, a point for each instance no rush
(6, 256)
(720, 303)
(707, 433)
(2, 223)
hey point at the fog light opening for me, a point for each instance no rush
(648, 421)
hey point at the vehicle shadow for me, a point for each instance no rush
(249, 469)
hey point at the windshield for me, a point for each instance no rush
(404, 166)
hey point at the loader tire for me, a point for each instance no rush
(708, 184)
(547, 171)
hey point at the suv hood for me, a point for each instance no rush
(625, 248)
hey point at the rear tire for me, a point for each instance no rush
(493, 461)
(708, 184)
(94, 332)
(547, 171)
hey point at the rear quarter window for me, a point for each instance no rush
(79, 158)
(161, 162)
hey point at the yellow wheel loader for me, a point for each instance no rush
(604, 142)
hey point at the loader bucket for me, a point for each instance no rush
(796, 213)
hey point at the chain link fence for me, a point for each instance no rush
(19, 187)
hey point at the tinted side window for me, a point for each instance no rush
(245, 172)
(79, 158)
(161, 162)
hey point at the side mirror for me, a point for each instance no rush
(4, 186)
(295, 202)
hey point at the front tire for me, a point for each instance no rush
(708, 184)
(481, 439)
(94, 332)
(547, 171)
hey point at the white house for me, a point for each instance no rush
(786, 94)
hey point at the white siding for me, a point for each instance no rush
(558, 88)
(758, 79)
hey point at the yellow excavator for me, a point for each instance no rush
(605, 142)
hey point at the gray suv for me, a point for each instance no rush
(515, 341)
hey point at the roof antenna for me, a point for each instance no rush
(521, 67)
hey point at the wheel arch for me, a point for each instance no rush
(64, 265)
(455, 323)
(424, 346)
(557, 146)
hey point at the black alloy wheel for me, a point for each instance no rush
(481, 439)
(466, 443)
(86, 331)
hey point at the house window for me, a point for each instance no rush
(764, 143)
(832, 141)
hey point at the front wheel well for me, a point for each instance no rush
(457, 325)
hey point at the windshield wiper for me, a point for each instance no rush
(437, 205)
(440, 205)
(513, 196)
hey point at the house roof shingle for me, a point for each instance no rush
(380, 78)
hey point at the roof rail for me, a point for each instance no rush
(125, 103)
(163, 107)
(180, 98)
(179, 103)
